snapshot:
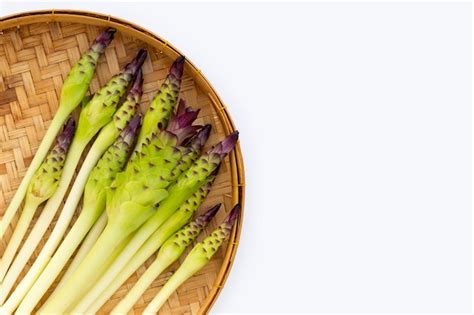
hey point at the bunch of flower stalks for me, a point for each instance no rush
(141, 182)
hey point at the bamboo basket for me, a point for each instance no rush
(37, 50)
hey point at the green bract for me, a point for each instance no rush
(170, 252)
(78, 80)
(45, 180)
(131, 200)
(112, 161)
(115, 272)
(196, 176)
(94, 115)
(100, 109)
(73, 91)
(199, 256)
(100, 293)
(149, 192)
(149, 171)
(199, 174)
(163, 103)
(42, 186)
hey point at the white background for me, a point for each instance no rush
(355, 124)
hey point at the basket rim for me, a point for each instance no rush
(236, 158)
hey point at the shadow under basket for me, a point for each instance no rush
(37, 50)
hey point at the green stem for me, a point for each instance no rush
(164, 211)
(124, 306)
(170, 250)
(112, 280)
(86, 246)
(38, 289)
(74, 88)
(80, 282)
(185, 271)
(109, 261)
(56, 125)
(40, 228)
(106, 265)
(199, 256)
(77, 233)
(200, 173)
(31, 204)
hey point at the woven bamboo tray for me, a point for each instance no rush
(37, 50)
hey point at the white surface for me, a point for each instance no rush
(355, 123)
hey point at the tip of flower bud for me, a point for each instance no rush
(181, 109)
(110, 30)
(205, 131)
(187, 118)
(141, 56)
(185, 134)
(183, 120)
(137, 62)
(206, 217)
(138, 83)
(233, 215)
(70, 123)
(135, 123)
(129, 133)
(226, 145)
(201, 137)
(65, 137)
(177, 67)
(103, 39)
